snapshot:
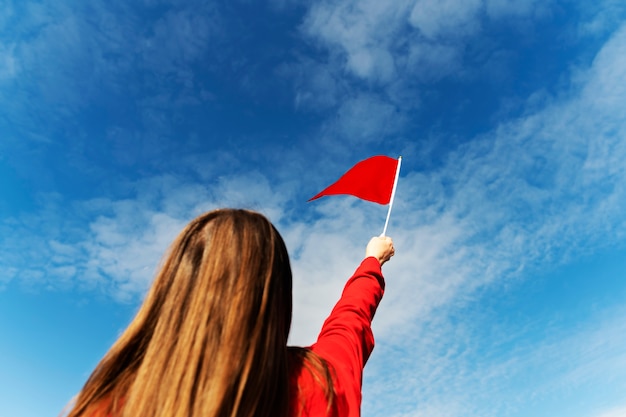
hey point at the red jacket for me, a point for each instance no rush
(345, 342)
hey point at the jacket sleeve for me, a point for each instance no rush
(346, 340)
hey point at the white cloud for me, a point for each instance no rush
(605, 17)
(180, 38)
(400, 48)
(614, 412)
(535, 191)
(8, 273)
(441, 19)
(430, 62)
(375, 41)
(310, 78)
(9, 64)
(125, 239)
(475, 364)
(362, 30)
(71, 58)
(366, 119)
(531, 192)
(123, 257)
(510, 8)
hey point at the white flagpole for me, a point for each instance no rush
(393, 194)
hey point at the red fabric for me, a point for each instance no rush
(371, 179)
(345, 342)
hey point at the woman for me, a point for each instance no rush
(211, 337)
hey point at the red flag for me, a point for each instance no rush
(371, 179)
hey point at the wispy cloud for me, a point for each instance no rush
(115, 245)
(8, 63)
(604, 17)
(461, 365)
(130, 76)
(534, 190)
(614, 412)
(450, 18)
(537, 189)
(380, 42)
(361, 33)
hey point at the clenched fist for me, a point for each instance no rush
(381, 248)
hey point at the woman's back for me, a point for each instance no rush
(210, 338)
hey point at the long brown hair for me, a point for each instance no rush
(211, 336)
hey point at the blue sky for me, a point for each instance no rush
(121, 121)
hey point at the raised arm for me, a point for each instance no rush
(346, 340)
